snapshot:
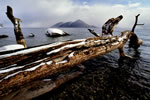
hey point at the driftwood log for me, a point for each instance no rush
(20, 67)
(30, 72)
(17, 28)
(41, 86)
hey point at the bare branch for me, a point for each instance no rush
(94, 33)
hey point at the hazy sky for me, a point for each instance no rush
(44, 13)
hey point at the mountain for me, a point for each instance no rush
(57, 24)
(76, 24)
(1, 25)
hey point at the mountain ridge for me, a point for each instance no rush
(76, 24)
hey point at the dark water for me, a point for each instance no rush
(40, 37)
(105, 77)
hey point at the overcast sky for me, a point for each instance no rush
(44, 13)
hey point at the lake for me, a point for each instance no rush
(105, 77)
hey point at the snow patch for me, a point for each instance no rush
(11, 75)
(11, 47)
(121, 38)
(66, 46)
(35, 49)
(35, 67)
(49, 62)
(30, 50)
(61, 62)
(10, 69)
(55, 30)
(71, 54)
(30, 69)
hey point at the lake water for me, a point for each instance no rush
(105, 77)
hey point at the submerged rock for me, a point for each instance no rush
(3, 36)
(54, 32)
(31, 35)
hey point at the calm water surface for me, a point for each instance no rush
(106, 77)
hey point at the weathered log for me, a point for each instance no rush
(42, 86)
(23, 66)
(108, 27)
(17, 29)
(135, 42)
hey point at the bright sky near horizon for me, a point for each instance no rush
(44, 13)
(123, 2)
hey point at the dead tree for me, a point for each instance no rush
(20, 67)
(135, 42)
(17, 28)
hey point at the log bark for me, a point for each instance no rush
(42, 86)
(17, 29)
(23, 66)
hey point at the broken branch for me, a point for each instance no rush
(17, 28)
(135, 42)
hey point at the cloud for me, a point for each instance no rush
(135, 4)
(85, 3)
(44, 13)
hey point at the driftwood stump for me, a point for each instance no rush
(17, 28)
(135, 42)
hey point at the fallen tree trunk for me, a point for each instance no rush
(23, 66)
(42, 86)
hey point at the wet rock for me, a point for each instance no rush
(3, 36)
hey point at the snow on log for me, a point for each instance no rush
(27, 65)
